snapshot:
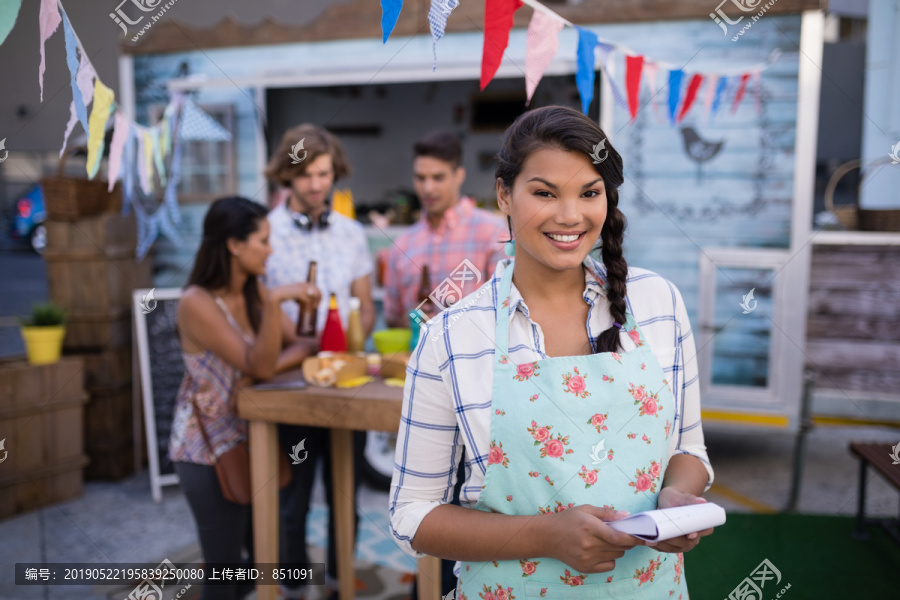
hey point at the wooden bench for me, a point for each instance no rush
(879, 457)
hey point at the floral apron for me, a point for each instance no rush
(576, 430)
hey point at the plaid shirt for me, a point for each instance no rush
(341, 251)
(465, 233)
(447, 397)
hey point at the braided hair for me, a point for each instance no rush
(567, 129)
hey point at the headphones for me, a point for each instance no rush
(304, 223)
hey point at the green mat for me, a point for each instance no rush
(815, 555)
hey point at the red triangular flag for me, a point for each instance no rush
(633, 66)
(690, 95)
(498, 20)
(740, 92)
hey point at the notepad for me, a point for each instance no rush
(667, 523)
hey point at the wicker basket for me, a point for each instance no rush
(855, 218)
(71, 198)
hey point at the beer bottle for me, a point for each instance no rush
(424, 301)
(306, 319)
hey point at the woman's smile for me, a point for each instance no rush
(565, 240)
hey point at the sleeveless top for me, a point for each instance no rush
(210, 381)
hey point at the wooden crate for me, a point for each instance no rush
(109, 434)
(41, 420)
(112, 235)
(108, 416)
(107, 369)
(98, 332)
(91, 285)
(110, 462)
(23, 386)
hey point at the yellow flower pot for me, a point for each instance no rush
(43, 344)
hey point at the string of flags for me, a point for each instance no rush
(138, 154)
(542, 45)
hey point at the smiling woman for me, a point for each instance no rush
(564, 392)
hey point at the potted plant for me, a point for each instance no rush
(44, 332)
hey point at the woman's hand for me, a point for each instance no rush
(670, 497)
(582, 540)
(307, 294)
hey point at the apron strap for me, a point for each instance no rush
(501, 339)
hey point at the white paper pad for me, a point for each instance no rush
(668, 523)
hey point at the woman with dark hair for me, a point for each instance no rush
(571, 381)
(230, 327)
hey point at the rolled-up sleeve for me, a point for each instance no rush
(428, 445)
(690, 435)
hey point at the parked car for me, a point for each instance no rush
(27, 223)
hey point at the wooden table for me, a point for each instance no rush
(371, 407)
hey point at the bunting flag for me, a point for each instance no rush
(49, 22)
(498, 21)
(584, 73)
(9, 12)
(103, 99)
(437, 20)
(72, 62)
(85, 82)
(690, 95)
(128, 158)
(157, 155)
(633, 67)
(712, 82)
(145, 160)
(121, 133)
(542, 41)
(720, 88)
(541, 45)
(390, 12)
(651, 69)
(674, 92)
(739, 94)
(609, 67)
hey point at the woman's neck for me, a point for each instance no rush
(235, 288)
(540, 283)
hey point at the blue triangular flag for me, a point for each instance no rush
(584, 74)
(390, 11)
(72, 61)
(723, 81)
(675, 76)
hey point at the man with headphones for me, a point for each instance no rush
(307, 163)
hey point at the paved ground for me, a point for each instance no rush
(120, 523)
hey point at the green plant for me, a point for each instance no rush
(45, 314)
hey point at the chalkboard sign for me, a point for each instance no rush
(161, 372)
